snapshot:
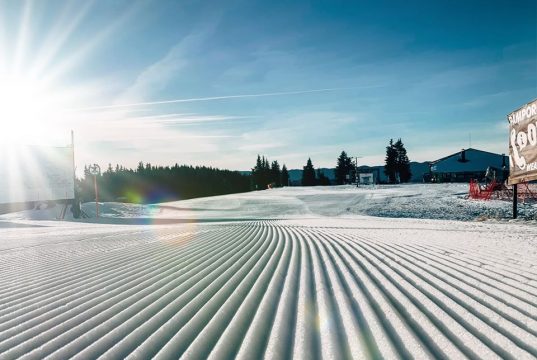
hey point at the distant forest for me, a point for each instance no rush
(152, 184)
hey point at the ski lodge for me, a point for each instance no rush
(468, 164)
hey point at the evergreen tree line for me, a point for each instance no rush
(397, 164)
(396, 168)
(266, 174)
(152, 184)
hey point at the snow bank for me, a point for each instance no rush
(422, 201)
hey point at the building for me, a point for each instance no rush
(368, 175)
(468, 164)
(367, 179)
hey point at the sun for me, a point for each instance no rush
(27, 108)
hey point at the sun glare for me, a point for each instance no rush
(26, 111)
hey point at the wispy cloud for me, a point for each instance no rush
(158, 75)
(224, 97)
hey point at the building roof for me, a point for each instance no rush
(475, 161)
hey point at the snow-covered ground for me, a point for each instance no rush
(300, 272)
(422, 201)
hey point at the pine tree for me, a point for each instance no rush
(140, 168)
(343, 168)
(257, 174)
(275, 173)
(87, 173)
(284, 176)
(265, 173)
(322, 179)
(403, 163)
(390, 165)
(308, 174)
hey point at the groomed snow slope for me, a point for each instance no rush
(309, 287)
(423, 201)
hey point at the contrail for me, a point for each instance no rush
(210, 98)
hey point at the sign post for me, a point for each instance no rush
(515, 201)
(522, 147)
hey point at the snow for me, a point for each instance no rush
(423, 201)
(303, 272)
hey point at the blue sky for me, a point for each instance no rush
(289, 80)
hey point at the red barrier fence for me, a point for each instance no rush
(480, 192)
(499, 191)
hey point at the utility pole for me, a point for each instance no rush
(356, 168)
(96, 170)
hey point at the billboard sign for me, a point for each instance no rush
(36, 173)
(366, 178)
(523, 144)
